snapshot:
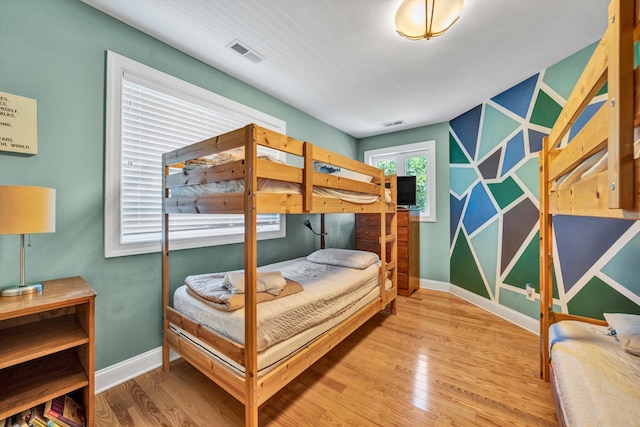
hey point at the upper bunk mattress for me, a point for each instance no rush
(275, 186)
(328, 291)
(598, 382)
(271, 185)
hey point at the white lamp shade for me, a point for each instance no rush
(423, 19)
(27, 210)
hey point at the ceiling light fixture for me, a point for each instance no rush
(423, 19)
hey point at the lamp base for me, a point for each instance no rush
(16, 290)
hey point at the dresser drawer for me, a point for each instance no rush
(403, 281)
(403, 265)
(374, 246)
(371, 219)
(367, 232)
(403, 250)
(371, 246)
(403, 219)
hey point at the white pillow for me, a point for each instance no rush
(344, 258)
(627, 327)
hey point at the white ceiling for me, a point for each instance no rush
(342, 62)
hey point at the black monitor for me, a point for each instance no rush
(406, 186)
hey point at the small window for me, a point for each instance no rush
(150, 113)
(417, 160)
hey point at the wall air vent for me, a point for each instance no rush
(246, 51)
(393, 123)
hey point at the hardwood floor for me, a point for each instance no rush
(441, 361)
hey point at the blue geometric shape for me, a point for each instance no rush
(581, 241)
(461, 179)
(466, 127)
(535, 140)
(480, 209)
(456, 207)
(518, 98)
(584, 118)
(514, 152)
(624, 267)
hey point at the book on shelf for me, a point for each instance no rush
(38, 419)
(65, 411)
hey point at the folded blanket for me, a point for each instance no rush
(271, 282)
(209, 288)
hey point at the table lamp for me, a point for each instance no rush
(26, 210)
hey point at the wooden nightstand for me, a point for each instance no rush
(47, 347)
(368, 232)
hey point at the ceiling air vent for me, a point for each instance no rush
(393, 123)
(245, 51)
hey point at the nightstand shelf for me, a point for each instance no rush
(36, 381)
(48, 347)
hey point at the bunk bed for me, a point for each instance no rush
(594, 381)
(246, 362)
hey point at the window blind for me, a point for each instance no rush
(156, 120)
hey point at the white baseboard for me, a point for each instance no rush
(114, 375)
(434, 285)
(119, 373)
(508, 314)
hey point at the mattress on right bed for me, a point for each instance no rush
(598, 383)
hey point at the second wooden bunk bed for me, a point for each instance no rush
(253, 389)
(611, 192)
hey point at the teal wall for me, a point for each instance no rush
(494, 207)
(54, 51)
(434, 236)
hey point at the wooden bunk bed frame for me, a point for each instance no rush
(614, 193)
(253, 389)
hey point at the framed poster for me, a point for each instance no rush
(18, 124)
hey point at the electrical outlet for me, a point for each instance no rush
(531, 293)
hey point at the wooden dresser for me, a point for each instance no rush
(368, 232)
(47, 347)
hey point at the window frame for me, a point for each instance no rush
(117, 66)
(405, 150)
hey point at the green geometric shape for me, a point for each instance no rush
(527, 268)
(604, 89)
(545, 111)
(556, 294)
(528, 173)
(456, 155)
(485, 244)
(464, 271)
(496, 126)
(505, 192)
(520, 303)
(623, 267)
(562, 77)
(597, 297)
(461, 179)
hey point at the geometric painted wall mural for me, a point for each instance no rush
(494, 207)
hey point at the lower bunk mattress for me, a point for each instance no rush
(331, 294)
(597, 382)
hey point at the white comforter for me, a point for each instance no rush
(328, 291)
(598, 382)
(275, 186)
